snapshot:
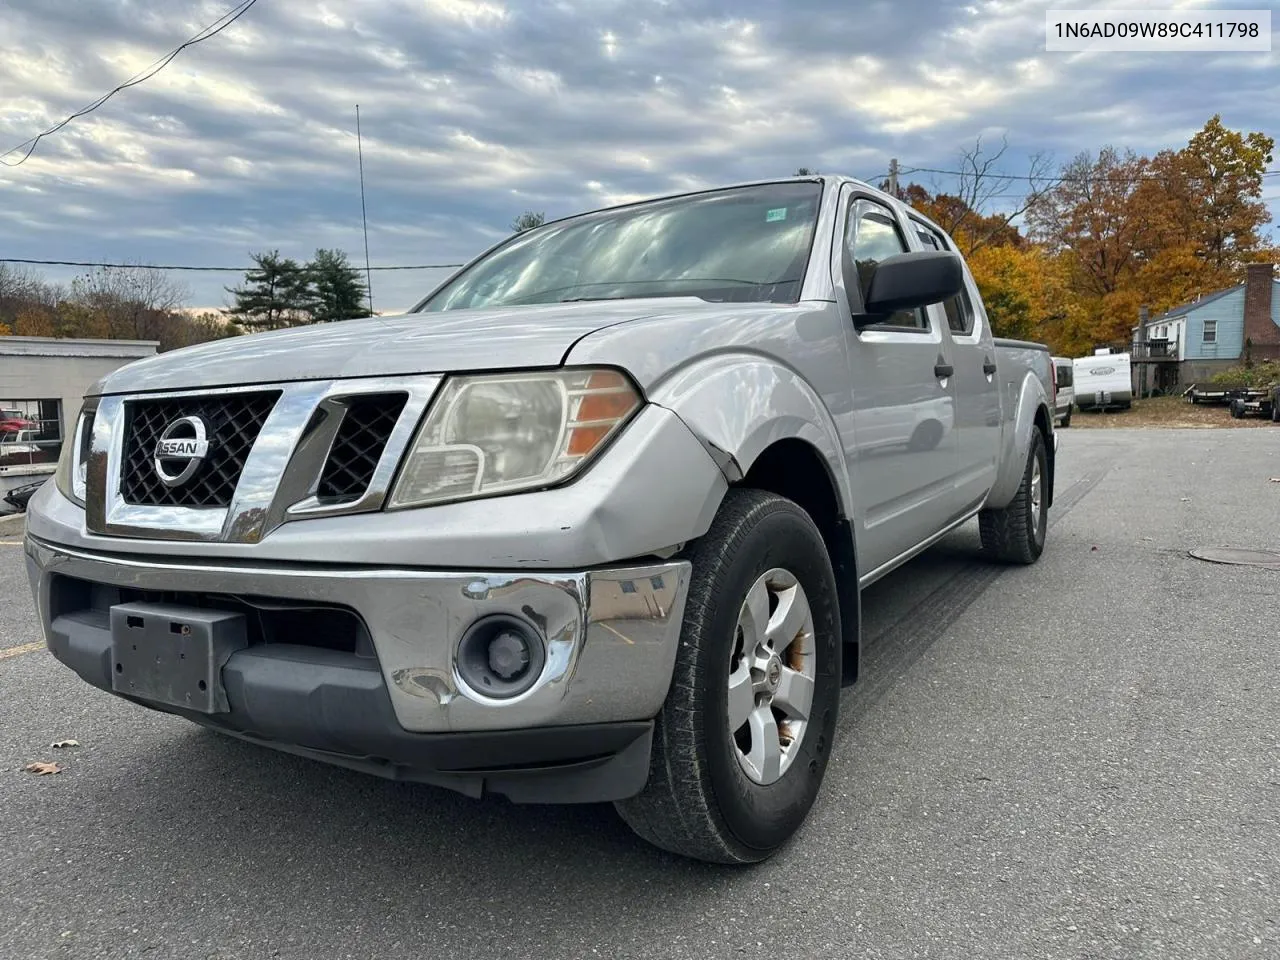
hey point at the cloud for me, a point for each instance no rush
(475, 110)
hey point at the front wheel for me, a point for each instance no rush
(1016, 533)
(743, 739)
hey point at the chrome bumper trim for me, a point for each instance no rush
(611, 633)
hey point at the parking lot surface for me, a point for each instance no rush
(1076, 759)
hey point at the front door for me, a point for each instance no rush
(901, 452)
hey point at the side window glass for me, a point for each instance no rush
(876, 237)
(960, 316)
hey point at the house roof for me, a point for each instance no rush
(1195, 304)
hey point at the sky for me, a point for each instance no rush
(473, 111)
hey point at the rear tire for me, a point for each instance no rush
(706, 798)
(1066, 421)
(1016, 533)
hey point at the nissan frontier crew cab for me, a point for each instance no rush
(589, 523)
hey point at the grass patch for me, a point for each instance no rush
(1168, 412)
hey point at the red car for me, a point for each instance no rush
(12, 421)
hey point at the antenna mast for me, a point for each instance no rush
(364, 216)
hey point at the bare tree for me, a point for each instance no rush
(527, 221)
(969, 208)
(135, 301)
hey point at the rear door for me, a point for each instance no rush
(977, 387)
(901, 452)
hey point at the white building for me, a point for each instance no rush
(42, 382)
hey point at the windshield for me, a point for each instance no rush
(741, 244)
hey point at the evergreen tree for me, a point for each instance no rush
(274, 295)
(336, 291)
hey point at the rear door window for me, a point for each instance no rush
(960, 316)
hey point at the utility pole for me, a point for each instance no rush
(893, 177)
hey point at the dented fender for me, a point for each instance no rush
(737, 405)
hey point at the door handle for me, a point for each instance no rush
(988, 367)
(943, 370)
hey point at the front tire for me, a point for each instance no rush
(743, 739)
(1016, 533)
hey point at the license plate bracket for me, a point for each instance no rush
(174, 655)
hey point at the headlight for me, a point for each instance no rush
(500, 433)
(73, 461)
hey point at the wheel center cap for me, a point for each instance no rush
(773, 674)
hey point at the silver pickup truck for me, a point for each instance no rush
(590, 523)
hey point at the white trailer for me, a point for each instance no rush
(1103, 381)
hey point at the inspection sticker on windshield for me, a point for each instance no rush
(777, 213)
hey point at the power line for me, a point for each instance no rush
(198, 269)
(1050, 179)
(212, 30)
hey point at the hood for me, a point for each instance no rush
(416, 343)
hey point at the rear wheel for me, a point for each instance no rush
(1016, 533)
(742, 742)
(1066, 421)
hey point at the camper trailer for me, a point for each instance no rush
(1064, 372)
(1103, 381)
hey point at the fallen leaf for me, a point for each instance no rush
(42, 768)
(63, 744)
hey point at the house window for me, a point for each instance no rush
(1211, 331)
(30, 434)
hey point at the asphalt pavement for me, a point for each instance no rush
(1077, 759)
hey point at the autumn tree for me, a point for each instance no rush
(1204, 203)
(34, 321)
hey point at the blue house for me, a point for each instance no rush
(1218, 330)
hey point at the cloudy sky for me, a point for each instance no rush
(475, 110)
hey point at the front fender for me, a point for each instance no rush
(1025, 398)
(737, 404)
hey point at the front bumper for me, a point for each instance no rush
(394, 705)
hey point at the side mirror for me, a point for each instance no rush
(909, 280)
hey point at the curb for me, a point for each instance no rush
(11, 523)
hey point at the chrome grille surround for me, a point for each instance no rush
(282, 469)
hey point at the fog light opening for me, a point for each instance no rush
(500, 657)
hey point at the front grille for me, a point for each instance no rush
(357, 447)
(232, 421)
